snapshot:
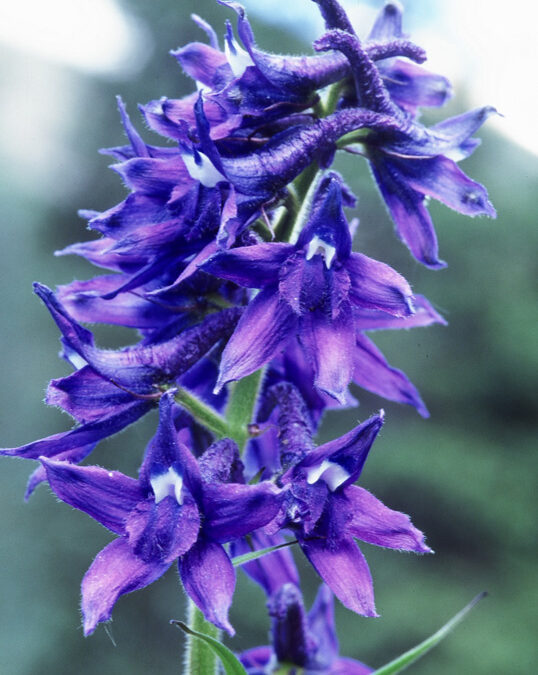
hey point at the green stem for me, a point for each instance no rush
(199, 658)
(202, 412)
(240, 410)
(306, 189)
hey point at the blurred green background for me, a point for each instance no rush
(466, 475)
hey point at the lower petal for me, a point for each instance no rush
(345, 570)
(261, 333)
(114, 572)
(209, 579)
(330, 344)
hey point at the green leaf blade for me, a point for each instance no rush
(401, 662)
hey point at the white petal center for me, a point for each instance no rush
(333, 474)
(203, 171)
(167, 484)
(319, 247)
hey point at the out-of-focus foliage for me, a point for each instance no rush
(465, 475)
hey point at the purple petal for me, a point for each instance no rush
(322, 625)
(372, 372)
(425, 315)
(114, 572)
(441, 179)
(345, 570)
(412, 86)
(330, 344)
(252, 266)
(107, 496)
(375, 285)
(84, 301)
(388, 23)
(86, 434)
(262, 332)
(209, 579)
(154, 177)
(348, 452)
(87, 396)
(328, 224)
(204, 64)
(406, 206)
(138, 145)
(375, 523)
(162, 532)
(256, 659)
(40, 474)
(233, 510)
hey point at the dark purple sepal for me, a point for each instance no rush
(161, 532)
(84, 435)
(344, 569)
(375, 285)
(375, 523)
(349, 452)
(406, 206)
(107, 496)
(233, 510)
(114, 572)
(251, 266)
(39, 475)
(329, 344)
(209, 580)
(262, 332)
(139, 147)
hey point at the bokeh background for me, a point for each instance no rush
(466, 475)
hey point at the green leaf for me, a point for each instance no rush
(248, 557)
(415, 653)
(230, 662)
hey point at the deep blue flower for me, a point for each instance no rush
(175, 510)
(327, 512)
(300, 640)
(308, 290)
(110, 390)
(413, 162)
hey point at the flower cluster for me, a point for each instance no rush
(232, 257)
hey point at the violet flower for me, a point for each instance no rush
(308, 289)
(175, 510)
(413, 162)
(300, 640)
(326, 512)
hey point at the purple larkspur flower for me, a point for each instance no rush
(308, 289)
(413, 162)
(177, 509)
(327, 512)
(300, 640)
(112, 389)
